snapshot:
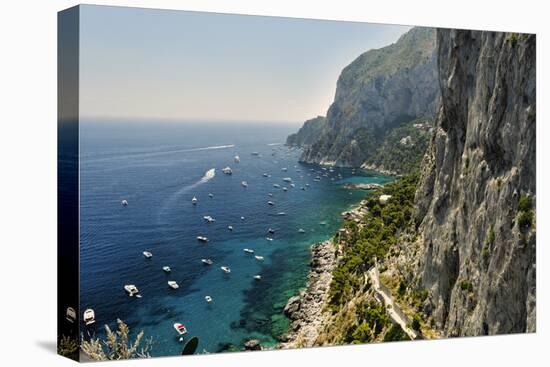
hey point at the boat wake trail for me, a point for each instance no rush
(208, 175)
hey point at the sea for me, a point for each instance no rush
(158, 167)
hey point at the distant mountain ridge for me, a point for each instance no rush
(379, 91)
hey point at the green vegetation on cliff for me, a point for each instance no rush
(373, 237)
(403, 147)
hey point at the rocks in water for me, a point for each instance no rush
(305, 309)
(362, 186)
(252, 344)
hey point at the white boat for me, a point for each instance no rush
(147, 254)
(242, 218)
(276, 186)
(194, 200)
(259, 258)
(208, 299)
(292, 185)
(210, 195)
(166, 269)
(285, 189)
(307, 185)
(244, 184)
(237, 159)
(284, 169)
(207, 261)
(124, 203)
(89, 316)
(301, 230)
(281, 213)
(227, 170)
(258, 277)
(270, 203)
(269, 238)
(173, 284)
(230, 228)
(270, 195)
(131, 289)
(70, 315)
(226, 269)
(248, 251)
(208, 218)
(180, 328)
(265, 175)
(202, 238)
(271, 230)
(302, 188)
(287, 179)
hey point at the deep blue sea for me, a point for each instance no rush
(158, 167)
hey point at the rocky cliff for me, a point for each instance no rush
(308, 133)
(377, 92)
(476, 198)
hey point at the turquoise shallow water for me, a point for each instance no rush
(158, 167)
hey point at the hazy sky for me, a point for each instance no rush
(186, 65)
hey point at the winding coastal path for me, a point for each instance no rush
(394, 311)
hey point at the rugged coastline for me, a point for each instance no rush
(305, 310)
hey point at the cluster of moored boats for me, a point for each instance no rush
(133, 291)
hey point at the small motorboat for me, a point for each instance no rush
(207, 261)
(194, 200)
(202, 238)
(269, 238)
(166, 269)
(208, 299)
(255, 153)
(227, 170)
(209, 219)
(230, 228)
(284, 169)
(292, 185)
(259, 258)
(248, 251)
(307, 185)
(89, 317)
(270, 203)
(281, 213)
(210, 195)
(265, 175)
(271, 230)
(244, 184)
(70, 315)
(302, 188)
(131, 289)
(180, 328)
(124, 202)
(285, 189)
(276, 186)
(258, 277)
(237, 159)
(242, 218)
(173, 284)
(301, 230)
(270, 195)
(226, 269)
(287, 179)
(147, 254)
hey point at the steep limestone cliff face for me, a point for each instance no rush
(377, 92)
(476, 199)
(308, 133)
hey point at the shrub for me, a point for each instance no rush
(416, 323)
(118, 345)
(395, 333)
(466, 286)
(525, 219)
(525, 204)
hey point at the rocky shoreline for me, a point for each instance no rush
(306, 309)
